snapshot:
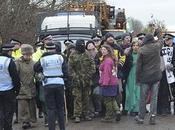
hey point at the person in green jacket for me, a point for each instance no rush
(132, 90)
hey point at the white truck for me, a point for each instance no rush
(69, 26)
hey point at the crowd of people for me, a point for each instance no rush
(99, 78)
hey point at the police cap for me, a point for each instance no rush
(39, 43)
(71, 46)
(141, 35)
(50, 46)
(67, 42)
(47, 37)
(7, 47)
(168, 36)
(14, 41)
(96, 37)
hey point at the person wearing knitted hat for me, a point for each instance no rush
(27, 93)
(126, 40)
(118, 52)
(90, 47)
(81, 68)
(97, 41)
(27, 51)
(126, 46)
(95, 96)
(148, 76)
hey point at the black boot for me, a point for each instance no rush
(152, 120)
(26, 125)
(118, 116)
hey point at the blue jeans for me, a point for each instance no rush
(144, 90)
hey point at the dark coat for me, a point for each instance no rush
(127, 65)
(148, 63)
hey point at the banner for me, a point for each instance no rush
(167, 53)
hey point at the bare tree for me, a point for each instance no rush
(136, 26)
(155, 24)
(18, 18)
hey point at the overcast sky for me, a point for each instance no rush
(142, 10)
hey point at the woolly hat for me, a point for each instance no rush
(141, 35)
(125, 35)
(88, 42)
(26, 49)
(107, 35)
(80, 46)
(149, 38)
(80, 42)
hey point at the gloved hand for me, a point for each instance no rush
(16, 91)
(127, 50)
(40, 76)
(169, 67)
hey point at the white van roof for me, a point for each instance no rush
(74, 21)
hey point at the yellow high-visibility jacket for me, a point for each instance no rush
(37, 55)
(118, 53)
(16, 54)
(121, 58)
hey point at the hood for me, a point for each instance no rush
(149, 38)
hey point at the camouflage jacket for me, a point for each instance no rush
(81, 68)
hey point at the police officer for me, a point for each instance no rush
(16, 53)
(54, 70)
(35, 57)
(39, 51)
(164, 93)
(9, 87)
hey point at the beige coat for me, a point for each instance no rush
(26, 73)
(26, 97)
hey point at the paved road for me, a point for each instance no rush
(127, 123)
